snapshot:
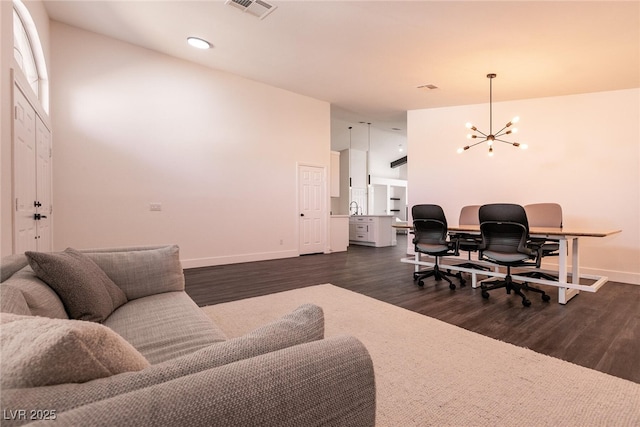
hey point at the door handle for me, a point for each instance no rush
(38, 216)
(301, 214)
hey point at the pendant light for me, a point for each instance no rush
(490, 138)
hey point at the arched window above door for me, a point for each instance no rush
(27, 51)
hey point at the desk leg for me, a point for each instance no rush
(564, 294)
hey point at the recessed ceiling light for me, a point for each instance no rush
(428, 86)
(198, 42)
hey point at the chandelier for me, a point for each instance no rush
(490, 138)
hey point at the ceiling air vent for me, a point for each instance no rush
(257, 8)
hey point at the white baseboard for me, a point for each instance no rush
(613, 275)
(236, 259)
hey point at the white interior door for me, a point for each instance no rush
(311, 185)
(24, 173)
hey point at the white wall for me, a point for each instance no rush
(6, 105)
(219, 152)
(583, 153)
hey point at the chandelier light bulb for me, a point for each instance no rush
(514, 130)
(469, 125)
(460, 150)
(523, 146)
(516, 119)
(490, 151)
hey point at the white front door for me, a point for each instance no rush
(24, 173)
(311, 187)
(31, 178)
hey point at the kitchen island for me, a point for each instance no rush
(372, 230)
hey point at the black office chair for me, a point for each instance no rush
(505, 241)
(469, 242)
(430, 238)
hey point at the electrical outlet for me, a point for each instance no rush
(155, 207)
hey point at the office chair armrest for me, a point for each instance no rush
(536, 249)
(454, 243)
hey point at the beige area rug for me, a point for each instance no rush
(430, 373)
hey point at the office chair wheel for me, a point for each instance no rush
(546, 298)
(485, 294)
(421, 283)
(526, 302)
(452, 286)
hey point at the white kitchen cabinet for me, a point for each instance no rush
(372, 230)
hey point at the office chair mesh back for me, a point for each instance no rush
(469, 215)
(430, 229)
(544, 215)
(505, 231)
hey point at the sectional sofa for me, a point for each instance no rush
(110, 337)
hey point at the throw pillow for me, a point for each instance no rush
(38, 351)
(85, 290)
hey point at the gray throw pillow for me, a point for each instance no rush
(85, 290)
(38, 351)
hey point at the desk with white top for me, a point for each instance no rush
(566, 289)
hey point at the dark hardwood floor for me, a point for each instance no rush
(596, 330)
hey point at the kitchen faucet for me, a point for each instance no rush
(356, 212)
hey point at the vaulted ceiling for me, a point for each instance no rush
(369, 58)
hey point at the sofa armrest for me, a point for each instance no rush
(328, 382)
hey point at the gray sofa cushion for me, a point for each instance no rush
(303, 325)
(85, 290)
(40, 298)
(143, 271)
(164, 326)
(38, 351)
